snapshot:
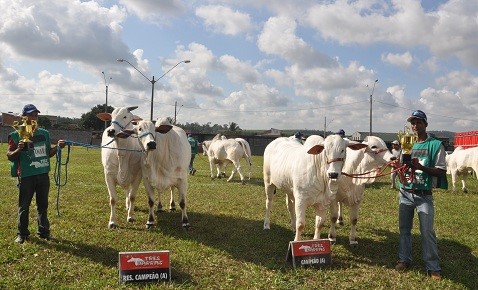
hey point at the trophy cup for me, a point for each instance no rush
(407, 140)
(26, 131)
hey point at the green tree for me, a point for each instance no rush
(44, 122)
(89, 121)
(234, 127)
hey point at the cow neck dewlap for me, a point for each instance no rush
(123, 170)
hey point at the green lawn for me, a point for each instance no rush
(226, 247)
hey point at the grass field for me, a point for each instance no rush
(226, 248)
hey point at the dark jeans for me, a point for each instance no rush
(39, 185)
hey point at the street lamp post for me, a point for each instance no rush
(106, 93)
(153, 81)
(371, 94)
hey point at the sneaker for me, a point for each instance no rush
(401, 266)
(21, 239)
(47, 237)
(435, 275)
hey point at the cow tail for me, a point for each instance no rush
(247, 152)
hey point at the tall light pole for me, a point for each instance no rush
(152, 81)
(371, 94)
(106, 93)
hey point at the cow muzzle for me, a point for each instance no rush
(111, 133)
(151, 145)
(333, 175)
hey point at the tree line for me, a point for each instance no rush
(89, 121)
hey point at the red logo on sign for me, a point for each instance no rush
(135, 261)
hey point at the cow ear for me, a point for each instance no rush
(136, 119)
(132, 108)
(125, 133)
(104, 116)
(316, 149)
(163, 128)
(356, 146)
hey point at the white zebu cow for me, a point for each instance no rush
(121, 167)
(307, 173)
(351, 190)
(220, 152)
(460, 162)
(247, 153)
(165, 163)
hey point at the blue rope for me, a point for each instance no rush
(57, 173)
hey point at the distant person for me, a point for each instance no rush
(298, 136)
(429, 166)
(396, 153)
(31, 165)
(194, 150)
(341, 133)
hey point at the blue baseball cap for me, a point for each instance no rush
(341, 132)
(30, 108)
(418, 114)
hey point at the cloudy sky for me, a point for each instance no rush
(285, 64)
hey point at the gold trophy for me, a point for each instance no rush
(407, 140)
(26, 131)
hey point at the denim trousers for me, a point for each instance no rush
(426, 216)
(38, 185)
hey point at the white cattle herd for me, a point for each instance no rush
(323, 173)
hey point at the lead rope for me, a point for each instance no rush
(58, 164)
(379, 172)
(57, 173)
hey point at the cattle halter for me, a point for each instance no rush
(335, 160)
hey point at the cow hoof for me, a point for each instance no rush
(243, 182)
(160, 210)
(149, 226)
(341, 223)
(112, 225)
(186, 226)
(353, 244)
(172, 209)
(465, 190)
(131, 219)
(333, 240)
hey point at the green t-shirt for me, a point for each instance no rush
(426, 152)
(35, 161)
(194, 145)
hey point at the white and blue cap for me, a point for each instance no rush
(28, 109)
(418, 114)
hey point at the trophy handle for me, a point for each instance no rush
(34, 125)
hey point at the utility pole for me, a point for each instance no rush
(371, 94)
(175, 112)
(106, 92)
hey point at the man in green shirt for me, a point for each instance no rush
(429, 167)
(194, 150)
(31, 165)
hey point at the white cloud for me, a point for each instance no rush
(224, 20)
(239, 72)
(279, 38)
(403, 60)
(154, 11)
(62, 30)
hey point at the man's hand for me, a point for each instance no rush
(61, 143)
